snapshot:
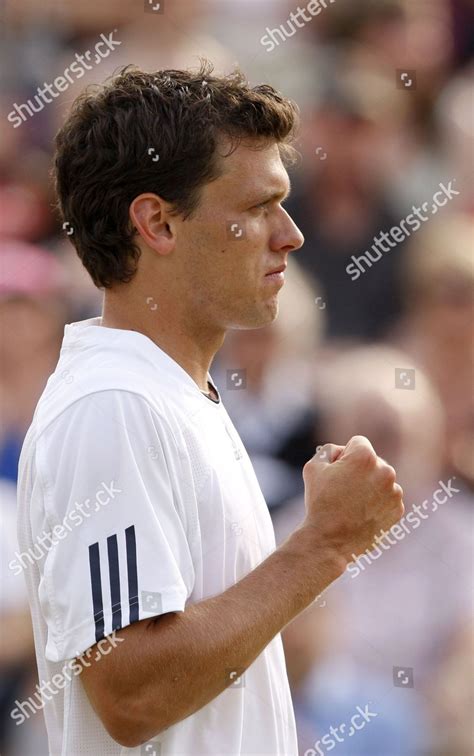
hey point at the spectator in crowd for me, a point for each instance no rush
(400, 605)
(438, 276)
(32, 315)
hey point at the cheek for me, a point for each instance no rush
(203, 247)
(242, 266)
(219, 262)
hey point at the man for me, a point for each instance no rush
(173, 183)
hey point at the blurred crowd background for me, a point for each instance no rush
(371, 147)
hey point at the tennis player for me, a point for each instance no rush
(161, 577)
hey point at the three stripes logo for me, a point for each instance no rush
(114, 582)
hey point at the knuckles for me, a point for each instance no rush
(364, 457)
(387, 476)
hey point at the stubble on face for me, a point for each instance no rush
(228, 241)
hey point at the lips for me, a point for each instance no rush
(281, 269)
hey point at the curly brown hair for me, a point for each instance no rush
(106, 152)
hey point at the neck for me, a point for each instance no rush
(185, 339)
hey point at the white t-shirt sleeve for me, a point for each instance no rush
(116, 510)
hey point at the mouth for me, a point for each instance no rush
(276, 275)
(276, 271)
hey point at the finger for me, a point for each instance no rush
(328, 452)
(398, 491)
(359, 446)
(393, 515)
(386, 474)
(394, 507)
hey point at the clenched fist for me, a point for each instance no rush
(350, 496)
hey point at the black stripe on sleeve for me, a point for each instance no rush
(132, 573)
(114, 575)
(94, 565)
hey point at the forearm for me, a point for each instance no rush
(179, 662)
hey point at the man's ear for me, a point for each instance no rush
(150, 214)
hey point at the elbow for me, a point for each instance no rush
(130, 734)
(128, 725)
(127, 738)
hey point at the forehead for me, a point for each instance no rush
(249, 169)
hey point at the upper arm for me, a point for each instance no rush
(115, 502)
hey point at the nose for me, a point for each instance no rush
(288, 237)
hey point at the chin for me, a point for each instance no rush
(260, 319)
(269, 311)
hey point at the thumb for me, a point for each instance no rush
(323, 457)
(356, 444)
(328, 453)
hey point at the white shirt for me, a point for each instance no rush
(159, 508)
